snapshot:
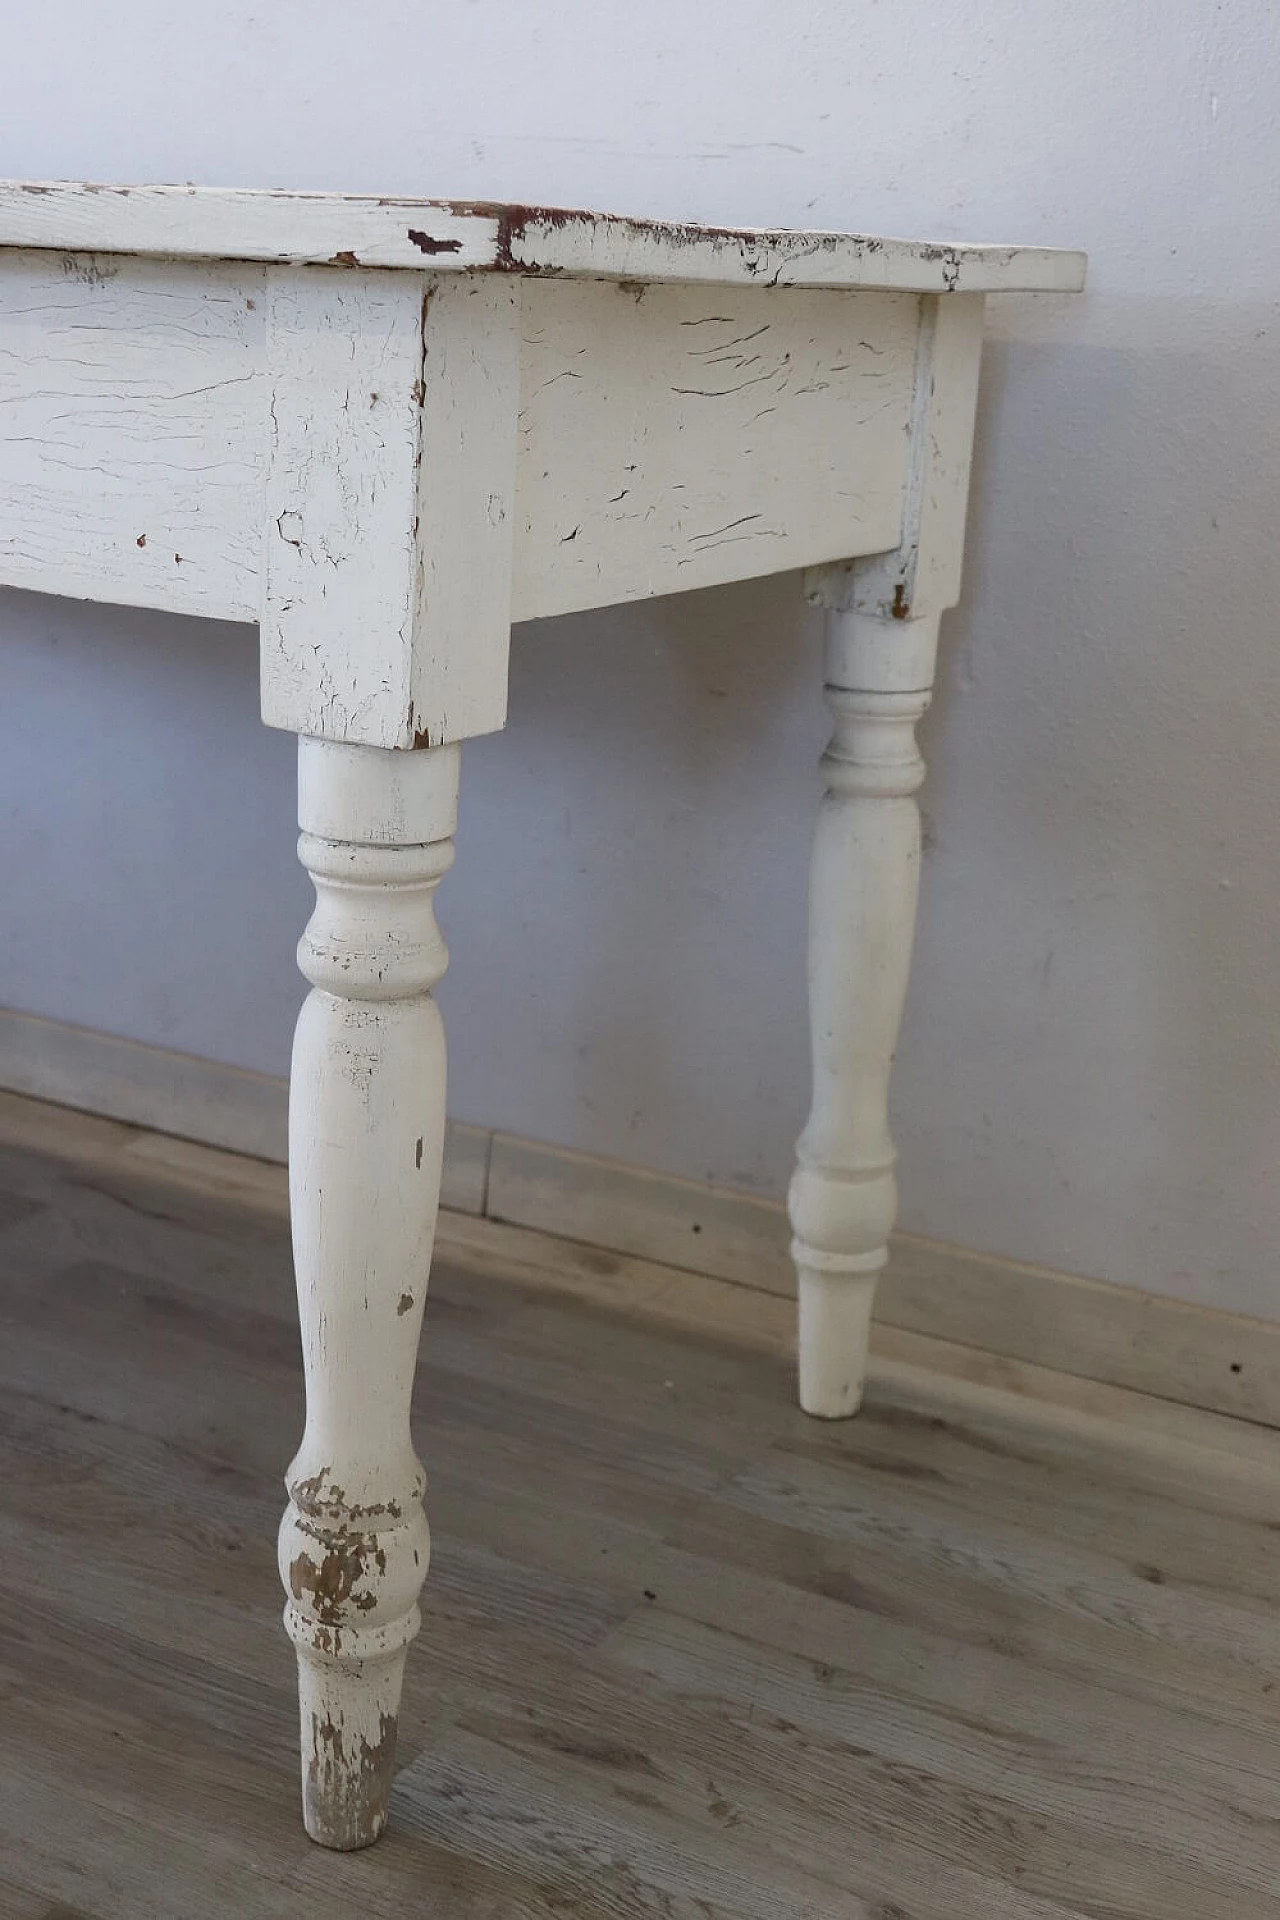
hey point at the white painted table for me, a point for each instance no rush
(384, 430)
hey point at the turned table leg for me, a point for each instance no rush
(862, 906)
(366, 1132)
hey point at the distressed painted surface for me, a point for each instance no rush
(386, 601)
(663, 438)
(133, 410)
(385, 469)
(337, 607)
(675, 437)
(366, 1136)
(452, 235)
(465, 511)
(921, 575)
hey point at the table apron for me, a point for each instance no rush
(666, 436)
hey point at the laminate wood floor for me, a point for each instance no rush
(1001, 1649)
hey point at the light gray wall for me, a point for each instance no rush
(1090, 1073)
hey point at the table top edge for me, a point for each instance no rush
(366, 231)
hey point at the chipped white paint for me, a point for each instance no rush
(922, 574)
(676, 437)
(352, 230)
(133, 408)
(661, 439)
(337, 610)
(381, 466)
(386, 602)
(588, 245)
(366, 1135)
(465, 511)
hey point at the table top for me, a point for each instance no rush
(350, 230)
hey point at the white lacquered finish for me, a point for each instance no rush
(384, 429)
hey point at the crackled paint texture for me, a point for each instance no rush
(1090, 1073)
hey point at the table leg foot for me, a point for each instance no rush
(834, 1327)
(348, 1717)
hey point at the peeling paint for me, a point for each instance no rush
(425, 244)
(328, 1585)
(346, 1793)
(315, 1502)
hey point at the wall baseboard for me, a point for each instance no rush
(1196, 1355)
(194, 1099)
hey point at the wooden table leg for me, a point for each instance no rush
(366, 1133)
(862, 905)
